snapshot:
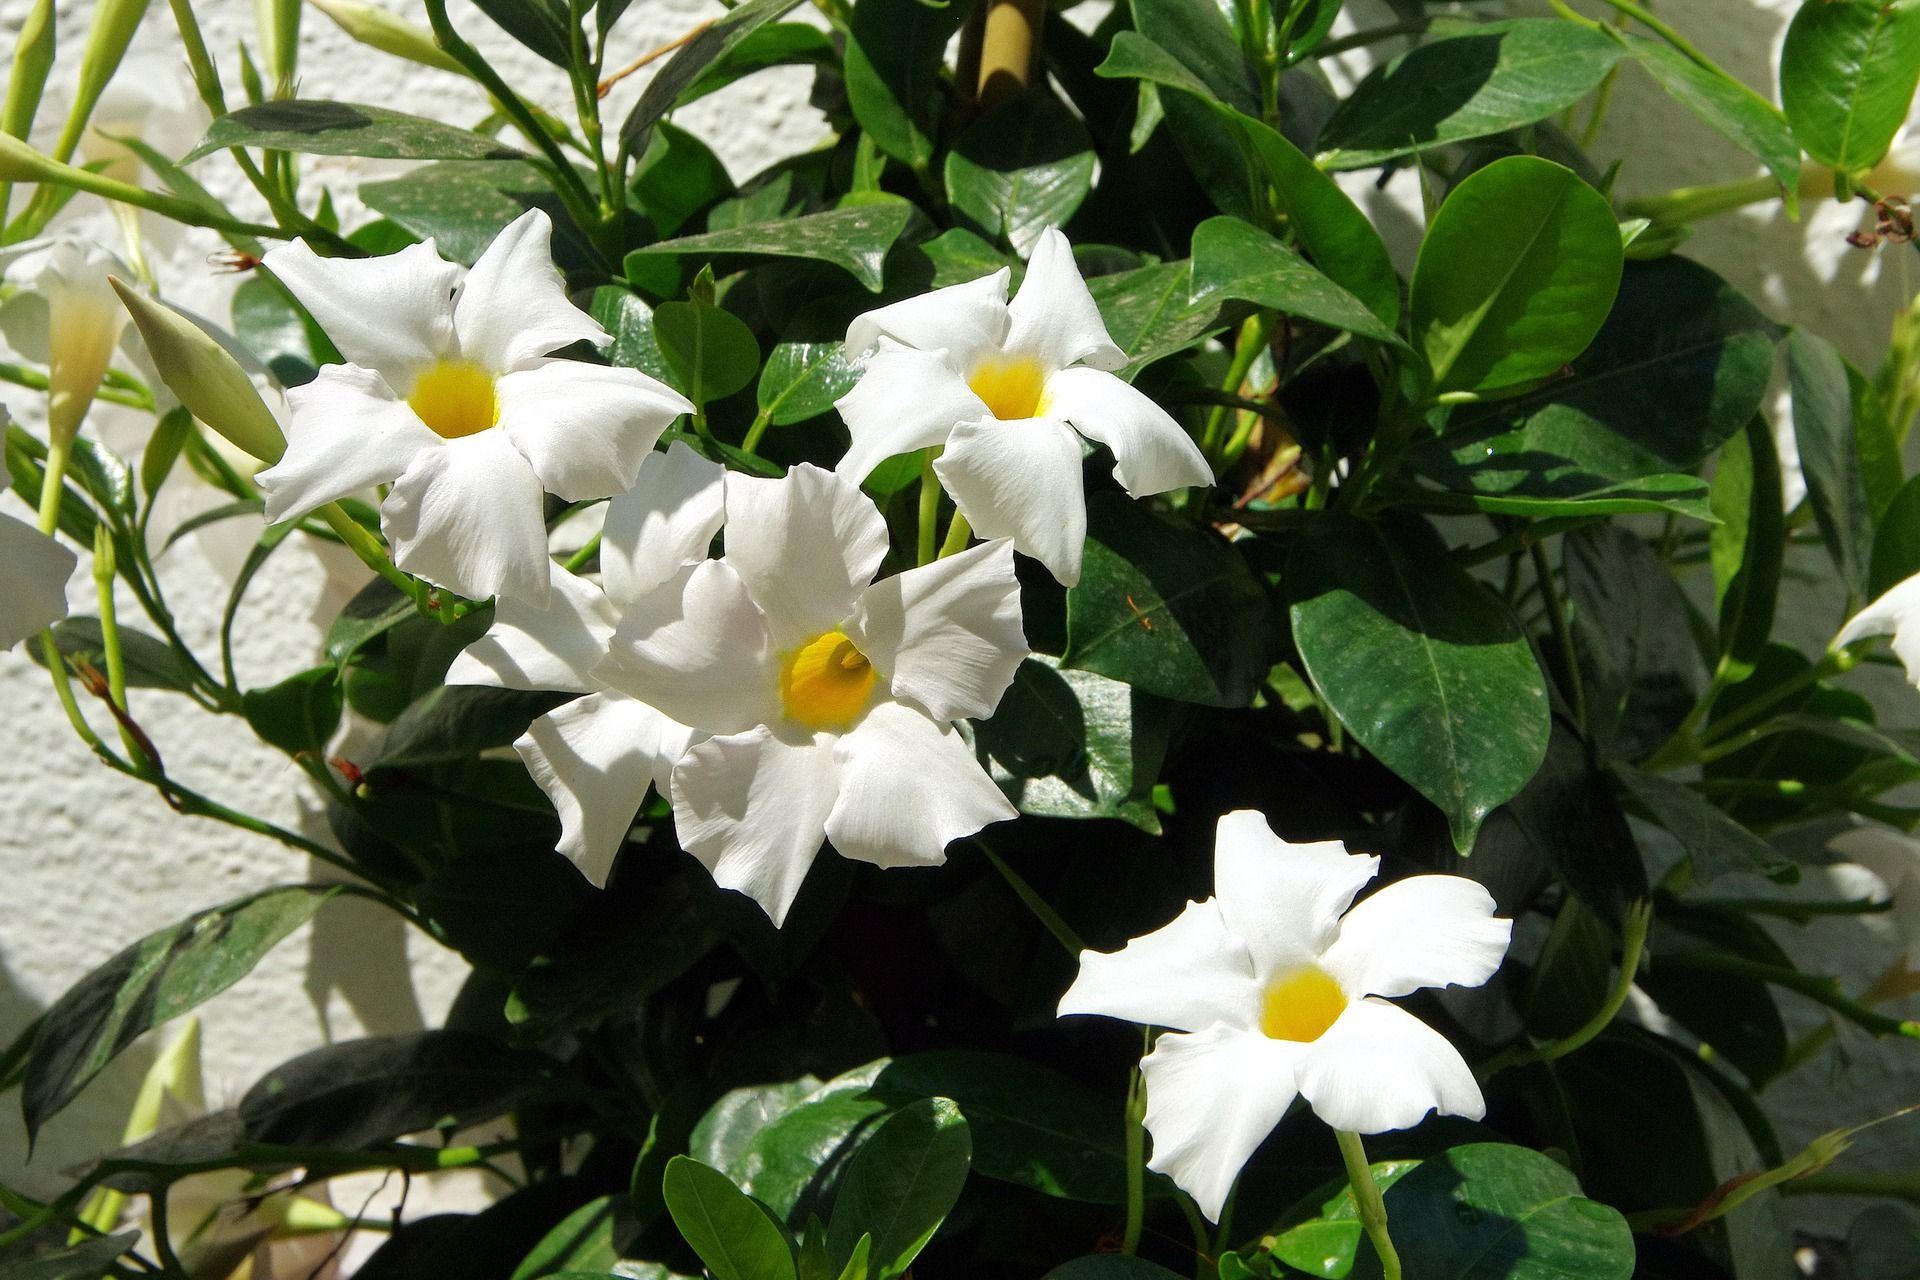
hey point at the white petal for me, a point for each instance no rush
(1424, 931)
(1893, 857)
(908, 787)
(346, 431)
(1053, 316)
(1893, 614)
(806, 545)
(698, 649)
(1378, 1068)
(753, 808)
(513, 307)
(594, 757)
(947, 635)
(528, 647)
(466, 515)
(1212, 1098)
(585, 427)
(1021, 480)
(392, 314)
(33, 580)
(1188, 975)
(962, 319)
(905, 400)
(1284, 899)
(1151, 452)
(664, 522)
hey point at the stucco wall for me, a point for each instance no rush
(90, 860)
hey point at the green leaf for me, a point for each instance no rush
(1168, 608)
(540, 25)
(1742, 116)
(373, 611)
(1748, 547)
(317, 127)
(1019, 169)
(801, 380)
(360, 1092)
(1681, 364)
(777, 44)
(1573, 975)
(150, 663)
(958, 255)
(676, 178)
(1496, 77)
(1830, 454)
(855, 238)
(581, 1245)
(630, 322)
(1325, 1245)
(87, 1260)
(901, 1186)
(734, 1236)
(1234, 260)
(1896, 542)
(1150, 314)
(170, 436)
(1502, 475)
(298, 715)
(155, 980)
(279, 333)
(1517, 274)
(710, 45)
(710, 350)
(1847, 75)
(1715, 843)
(1072, 744)
(894, 52)
(1492, 1211)
(1424, 665)
(791, 1165)
(1195, 34)
(464, 204)
(1631, 632)
(455, 722)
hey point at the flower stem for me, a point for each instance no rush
(1633, 941)
(52, 483)
(929, 510)
(761, 422)
(371, 553)
(959, 533)
(103, 577)
(1562, 633)
(1368, 1202)
(1136, 1155)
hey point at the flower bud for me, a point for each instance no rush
(114, 22)
(279, 23)
(388, 32)
(32, 60)
(204, 374)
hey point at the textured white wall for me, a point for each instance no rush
(89, 860)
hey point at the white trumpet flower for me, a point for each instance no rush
(1274, 989)
(1008, 389)
(66, 317)
(828, 699)
(1896, 613)
(33, 579)
(448, 394)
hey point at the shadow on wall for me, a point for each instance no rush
(357, 950)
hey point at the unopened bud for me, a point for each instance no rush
(204, 374)
(388, 32)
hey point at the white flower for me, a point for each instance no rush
(830, 702)
(1895, 859)
(1272, 993)
(596, 755)
(65, 317)
(33, 579)
(1896, 613)
(452, 400)
(1005, 387)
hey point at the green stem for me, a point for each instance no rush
(1562, 632)
(1666, 33)
(166, 206)
(1136, 1156)
(1252, 340)
(1815, 987)
(52, 484)
(63, 690)
(761, 422)
(103, 576)
(926, 544)
(1368, 1202)
(373, 553)
(959, 532)
(583, 555)
(1633, 941)
(1043, 912)
(1684, 748)
(1901, 1186)
(34, 380)
(1690, 204)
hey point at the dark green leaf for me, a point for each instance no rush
(454, 722)
(317, 127)
(1573, 975)
(151, 664)
(1748, 547)
(630, 321)
(792, 1165)
(736, 1238)
(1565, 825)
(1641, 666)
(958, 255)
(1234, 260)
(1150, 315)
(728, 1128)
(777, 44)
(1325, 1245)
(1496, 77)
(1830, 455)
(374, 610)
(1503, 476)
(463, 205)
(1492, 1211)
(894, 52)
(1165, 607)
(1020, 169)
(901, 1185)
(712, 44)
(676, 178)
(1517, 274)
(1427, 667)
(1196, 35)
(710, 350)
(856, 238)
(1847, 74)
(281, 335)
(1072, 744)
(299, 714)
(87, 1260)
(581, 1245)
(1896, 543)
(1741, 115)
(541, 25)
(158, 978)
(1715, 843)
(361, 1092)
(801, 380)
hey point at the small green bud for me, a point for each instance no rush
(32, 60)
(388, 32)
(279, 23)
(204, 374)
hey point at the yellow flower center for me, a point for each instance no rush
(1301, 1004)
(1012, 388)
(456, 399)
(826, 683)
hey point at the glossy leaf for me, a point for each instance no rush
(1196, 35)
(1020, 169)
(1517, 274)
(463, 205)
(1501, 475)
(299, 714)
(710, 44)
(677, 176)
(1641, 667)
(1493, 78)
(1166, 608)
(711, 351)
(155, 980)
(1847, 75)
(777, 44)
(540, 25)
(581, 1245)
(1831, 457)
(1234, 260)
(855, 238)
(894, 52)
(629, 320)
(1149, 313)
(1325, 1245)
(801, 380)
(1742, 116)
(1426, 667)
(901, 1186)
(735, 1237)
(1896, 542)
(317, 127)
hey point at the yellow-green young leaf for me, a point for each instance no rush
(1847, 74)
(734, 1236)
(1517, 274)
(204, 374)
(388, 32)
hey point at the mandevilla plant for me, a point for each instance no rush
(1031, 556)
